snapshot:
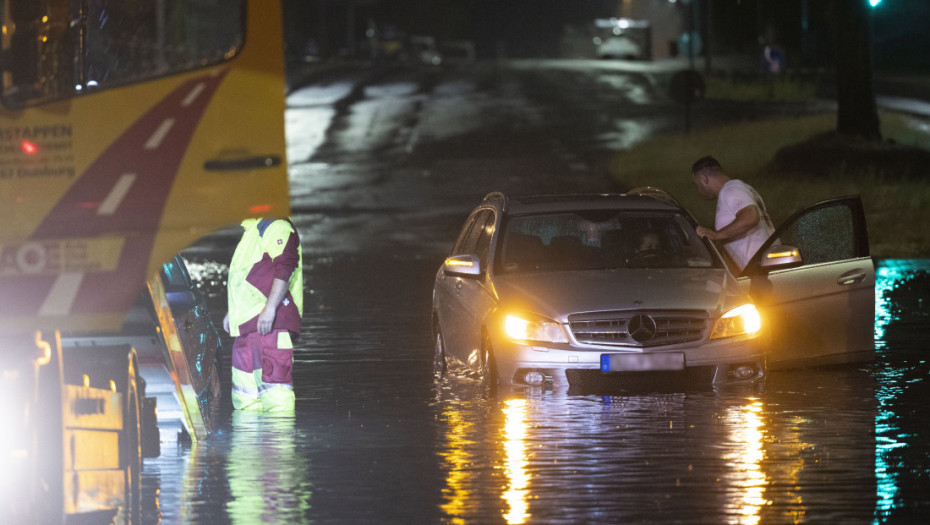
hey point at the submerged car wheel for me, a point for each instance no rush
(488, 365)
(439, 355)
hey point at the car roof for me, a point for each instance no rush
(638, 199)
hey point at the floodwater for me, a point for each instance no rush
(383, 172)
(376, 440)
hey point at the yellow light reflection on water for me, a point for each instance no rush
(517, 493)
(790, 466)
(456, 460)
(747, 437)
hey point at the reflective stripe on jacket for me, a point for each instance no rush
(269, 249)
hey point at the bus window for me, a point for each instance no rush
(56, 49)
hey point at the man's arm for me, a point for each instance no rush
(280, 243)
(746, 219)
(275, 296)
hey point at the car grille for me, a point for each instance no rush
(639, 328)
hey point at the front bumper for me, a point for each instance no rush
(735, 359)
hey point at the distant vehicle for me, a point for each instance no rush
(577, 289)
(618, 47)
(622, 38)
(424, 50)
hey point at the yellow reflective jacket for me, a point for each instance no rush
(268, 249)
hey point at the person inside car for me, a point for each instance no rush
(648, 242)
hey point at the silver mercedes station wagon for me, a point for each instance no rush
(578, 288)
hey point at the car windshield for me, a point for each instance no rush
(597, 240)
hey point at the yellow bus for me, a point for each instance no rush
(128, 129)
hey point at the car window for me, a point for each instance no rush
(468, 241)
(82, 47)
(594, 239)
(823, 235)
(460, 242)
(484, 240)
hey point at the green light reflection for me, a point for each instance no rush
(894, 377)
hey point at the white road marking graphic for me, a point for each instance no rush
(61, 297)
(119, 191)
(159, 135)
(192, 96)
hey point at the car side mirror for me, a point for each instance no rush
(779, 257)
(462, 266)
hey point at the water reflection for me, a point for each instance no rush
(784, 459)
(902, 315)
(455, 459)
(747, 477)
(514, 435)
(888, 438)
(546, 456)
(376, 445)
(902, 304)
(744, 455)
(482, 443)
(267, 476)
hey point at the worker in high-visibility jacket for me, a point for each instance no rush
(265, 289)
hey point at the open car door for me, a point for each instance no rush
(815, 284)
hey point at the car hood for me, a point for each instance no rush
(559, 294)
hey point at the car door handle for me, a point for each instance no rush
(245, 163)
(850, 277)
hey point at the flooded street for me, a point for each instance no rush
(385, 166)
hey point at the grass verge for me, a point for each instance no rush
(897, 208)
(760, 88)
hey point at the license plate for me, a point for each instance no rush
(642, 362)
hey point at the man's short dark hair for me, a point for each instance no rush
(706, 163)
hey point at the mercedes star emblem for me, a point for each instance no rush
(642, 328)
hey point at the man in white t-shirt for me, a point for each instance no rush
(742, 224)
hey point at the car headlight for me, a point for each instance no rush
(531, 328)
(742, 320)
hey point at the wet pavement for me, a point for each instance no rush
(385, 166)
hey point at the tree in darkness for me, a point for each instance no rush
(857, 114)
